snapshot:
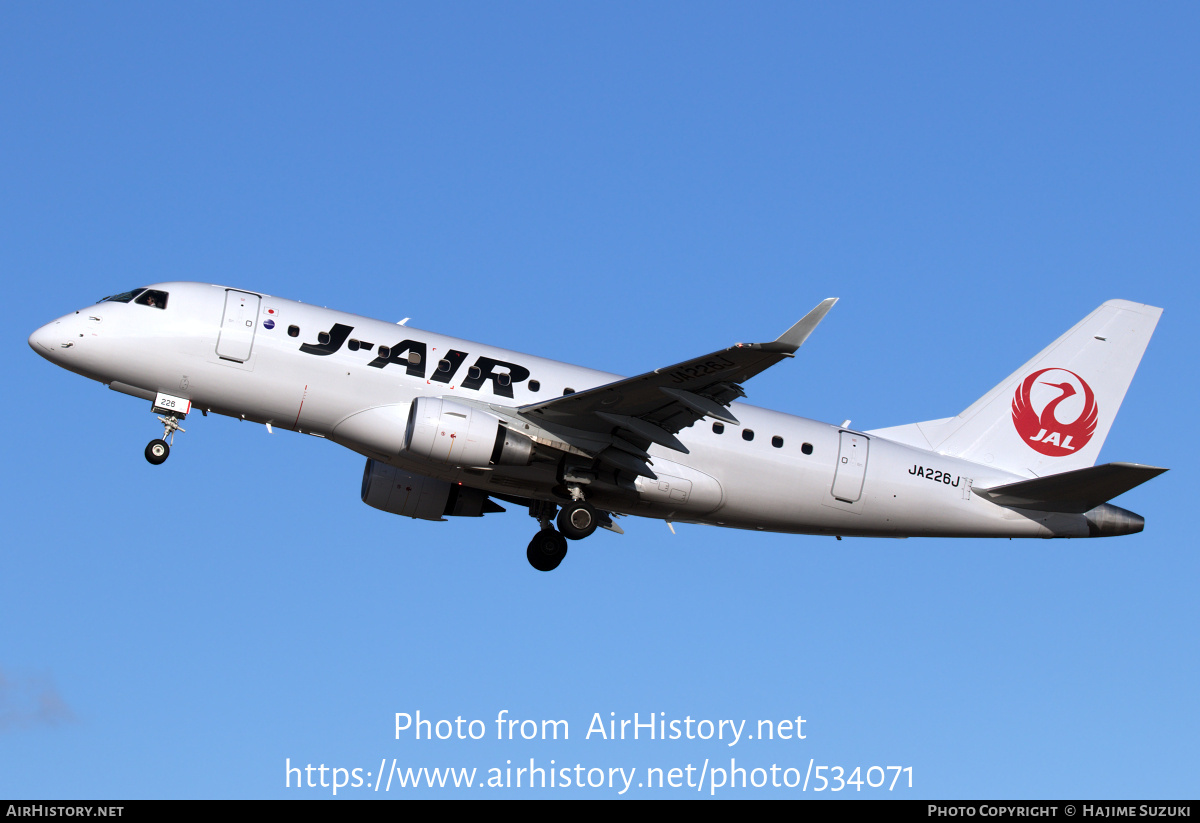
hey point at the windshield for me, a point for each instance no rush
(155, 299)
(123, 297)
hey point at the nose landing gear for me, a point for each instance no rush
(157, 451)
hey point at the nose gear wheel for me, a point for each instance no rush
(157, 451)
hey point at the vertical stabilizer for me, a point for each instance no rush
(1052, 414)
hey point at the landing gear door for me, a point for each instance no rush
(851, 467)
(238, 325)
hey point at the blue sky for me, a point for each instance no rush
(622, 186)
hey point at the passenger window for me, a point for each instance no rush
(352, 344)
(474, 372)
(747, 434)
(293, 331)
(568, 391)
(385, 352)
(534, 385)
(153, 299)
(443, 365)
(504, 378)
(718, 427)
(777, 442)
(414, 357)
(806, 448)
(323, 338)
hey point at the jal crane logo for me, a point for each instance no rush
(1058, 397)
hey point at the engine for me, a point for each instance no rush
(396, 491)
(448, 432)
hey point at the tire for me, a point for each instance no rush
(546, 550)
(578, 520)
(157, 451)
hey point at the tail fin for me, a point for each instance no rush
(1052, 414)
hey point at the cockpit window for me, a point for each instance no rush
(124, 297)
(152, 298)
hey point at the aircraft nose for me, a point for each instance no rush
(47, 340)
(39, 341)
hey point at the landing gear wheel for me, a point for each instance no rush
(157, 451)
(577, 520)
(546, 550)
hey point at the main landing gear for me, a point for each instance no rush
(546, 550)
(157, 451)
(577, 520)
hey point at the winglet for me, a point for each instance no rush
(794, 337)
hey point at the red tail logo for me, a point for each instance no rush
(1045, 432)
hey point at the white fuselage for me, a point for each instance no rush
(304, 371)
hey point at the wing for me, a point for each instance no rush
(617, 422)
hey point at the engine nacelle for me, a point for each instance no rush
(448, 432)
(396, 491)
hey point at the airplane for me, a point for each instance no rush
(449, 427)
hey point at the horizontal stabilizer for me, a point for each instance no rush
(1076, 491)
